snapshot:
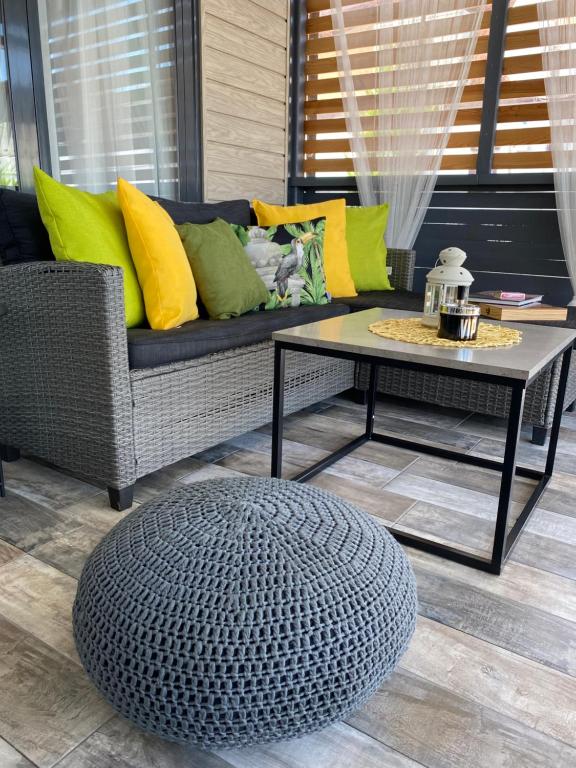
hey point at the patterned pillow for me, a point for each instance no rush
(289, 259)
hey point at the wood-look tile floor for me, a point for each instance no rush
(489, 680)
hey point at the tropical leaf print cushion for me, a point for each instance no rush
(290, 260)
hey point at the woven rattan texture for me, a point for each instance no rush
(241, 611)
(67, 395)
(412, 331)
(186, 407)
(401, 263)
(477, 396)
(64, 384)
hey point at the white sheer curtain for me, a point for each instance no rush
(110, 91)
(415, 76)
(558, 36)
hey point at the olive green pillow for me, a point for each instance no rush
(227, 282)
(365, 228)
(87, 227)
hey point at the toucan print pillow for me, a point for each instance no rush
(290, 260)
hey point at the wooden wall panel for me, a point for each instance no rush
(511, 236)
(228, 186)
(245, 73)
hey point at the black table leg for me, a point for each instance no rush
(508, 473)
(371, 400)
(558, 411)
(278, 410)
(2, 488)
(504, 535)
(545, 477)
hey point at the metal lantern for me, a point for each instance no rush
(443, 283)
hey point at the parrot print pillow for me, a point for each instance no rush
(290, 260)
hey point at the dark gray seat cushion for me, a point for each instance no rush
(148, 348)
(232, 211)
(398, 299)
(23, 236)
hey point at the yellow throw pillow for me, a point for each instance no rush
(338, 276)
(160, 260)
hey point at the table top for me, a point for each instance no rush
(349, 333)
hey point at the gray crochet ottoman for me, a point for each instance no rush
(240, 611)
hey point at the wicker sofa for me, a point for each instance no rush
(69, 395)
(81, 392)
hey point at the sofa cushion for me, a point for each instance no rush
(232, 211)
(290, 260)
(338, 277)
(164, 273)
(87, 227)
(225, 277)
(148, 348)
(23, 236)
(398, 299)
(365, 228)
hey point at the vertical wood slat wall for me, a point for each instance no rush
(245, 98)
(523, 134)
(523, 129)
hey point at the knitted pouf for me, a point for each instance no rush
(243, 610)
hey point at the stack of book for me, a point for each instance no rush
(505, 305)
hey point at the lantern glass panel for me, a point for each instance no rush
(433, 298)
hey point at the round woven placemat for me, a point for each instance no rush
(413, 331)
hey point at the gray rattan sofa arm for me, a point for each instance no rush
(401, 263)
(64, 378)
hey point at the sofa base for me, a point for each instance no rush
(8, 453)
(356, 395)
(473, 396)
(184, 408)
(540, 435)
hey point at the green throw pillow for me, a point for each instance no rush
(290, 260)
(87, 227)
(365, 228)
(227, 282)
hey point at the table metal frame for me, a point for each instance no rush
(504, 538)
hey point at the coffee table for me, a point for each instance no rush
(515, 367)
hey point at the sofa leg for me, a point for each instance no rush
(359, 396)
(572, 407)
(121, 499)
(539, 435)
(8, 453)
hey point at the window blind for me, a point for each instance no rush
(326, 144)
(110, 73)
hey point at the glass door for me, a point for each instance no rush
(8, 165)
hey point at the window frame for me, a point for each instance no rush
(26, 83)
